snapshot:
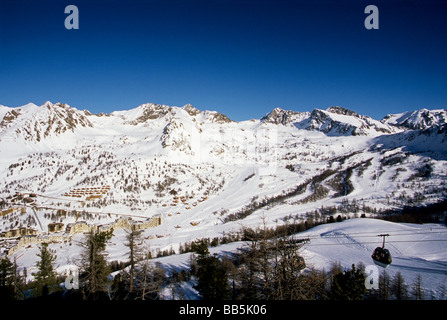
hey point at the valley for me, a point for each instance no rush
(197, 174)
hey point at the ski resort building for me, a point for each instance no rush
(29, 236)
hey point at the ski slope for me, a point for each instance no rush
(149, 154)
(417, 249)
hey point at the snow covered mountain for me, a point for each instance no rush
(33, 123)
(334, 121)
(280, 116)
(205, 175)
(418, 119)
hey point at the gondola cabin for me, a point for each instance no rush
(382, 256)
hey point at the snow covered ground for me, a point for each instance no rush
(149, 154)
(417, 249)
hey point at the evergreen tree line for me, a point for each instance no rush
(268, 266)
(249, 234)
(137, 278)
(429, 213)
(273, 270)
(340, 183)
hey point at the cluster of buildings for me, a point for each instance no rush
(13, 240)
(58, 232)
(89, 192)
(183, 200)
(22, 231)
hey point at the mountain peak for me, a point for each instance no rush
(217, 117)
(213, 116)
(35, 123)
(417, 120)
(342, 111)
(152, 111)
(47, 104)
(191, 110)
(339, 121)
(284, 117)
(149, 111)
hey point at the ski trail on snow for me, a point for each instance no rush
(344, 239)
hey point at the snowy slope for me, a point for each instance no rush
(287, 165)
(418, 119)
(33, 123)
(336, 121)
(416, 249)
(284, 117)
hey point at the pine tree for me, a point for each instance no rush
(118, 287)
(417, 290)
(349, 285)
(256, 272)
(45, 277)
(19, 282)
(287, 266)
(212, 279)
(250, 286)
(269, 268)
(151, 279)
(135, 253)
(399, 288)
(312, 285)
(94, 268)
(384, 285)
(6, 279)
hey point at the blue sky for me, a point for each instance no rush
(239, 57)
